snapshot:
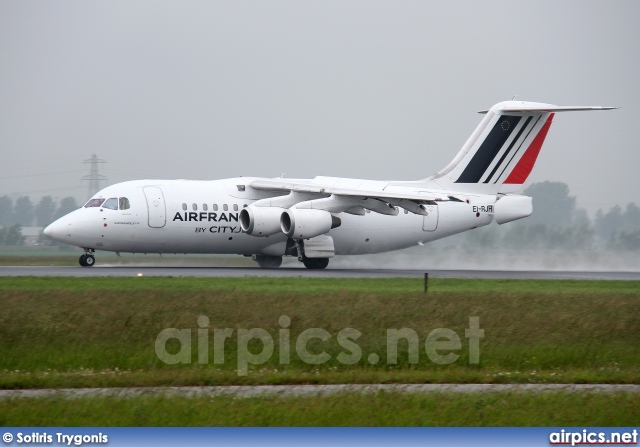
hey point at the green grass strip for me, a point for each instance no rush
(349, 409)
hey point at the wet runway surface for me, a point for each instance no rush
(121, 271)
(315, 390)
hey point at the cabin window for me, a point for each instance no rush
(111, 204)
(225, 207)
(124, 203)
(184, 207)
(215, 207)
(94, 203)
(205, 207)
(194, 206)
(406, 212)
(235, 207)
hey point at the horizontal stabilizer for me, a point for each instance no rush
(544, 108)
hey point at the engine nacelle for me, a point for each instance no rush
(305, 224)
(261, 221)
(510, 208)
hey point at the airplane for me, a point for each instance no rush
(317, 219)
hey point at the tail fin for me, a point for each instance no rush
(500, 154)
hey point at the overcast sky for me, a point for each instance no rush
(365, 89)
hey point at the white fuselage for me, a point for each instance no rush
(188, 216)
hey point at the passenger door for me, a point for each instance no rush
(156, 206)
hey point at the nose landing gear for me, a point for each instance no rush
(87, 259)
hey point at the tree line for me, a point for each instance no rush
(557, 223)
(23, 213)
(26, 214)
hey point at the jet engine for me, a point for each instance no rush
(305, 223)
(261, 221)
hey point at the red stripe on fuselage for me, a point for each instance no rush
(522, 170)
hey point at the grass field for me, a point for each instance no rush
(351, 409)
(77, 332)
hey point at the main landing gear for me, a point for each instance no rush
(273, 262)
(294, 248)
(310, 263)
(315, 263)
(87, 259)
(268, 262)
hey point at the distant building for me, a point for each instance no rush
(31, 234)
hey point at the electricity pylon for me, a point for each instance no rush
(94, 178)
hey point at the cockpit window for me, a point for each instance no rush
(124, 203)
(111, 204)
(94, 203)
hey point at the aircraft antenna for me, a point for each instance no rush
(94, 178)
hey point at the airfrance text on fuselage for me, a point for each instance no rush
(206, 217)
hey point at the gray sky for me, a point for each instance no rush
(363, 89)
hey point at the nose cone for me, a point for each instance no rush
(58, 230)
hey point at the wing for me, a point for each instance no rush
(336, 199)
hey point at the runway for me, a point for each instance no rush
(119, 271)
(249, 391)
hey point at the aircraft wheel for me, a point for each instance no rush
(316, 263)
(268, 262)
(87, 260)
